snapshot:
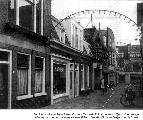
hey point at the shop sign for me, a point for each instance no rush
(58, 69)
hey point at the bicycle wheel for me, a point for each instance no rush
(124, 101)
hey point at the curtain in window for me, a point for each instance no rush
(22, 81)
(38, 80)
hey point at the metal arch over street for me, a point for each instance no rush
(116, 14)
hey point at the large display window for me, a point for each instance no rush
(59, 78)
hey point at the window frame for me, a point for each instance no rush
(17, 19)
(29, 95)
(43, 92)
(66, 92)
(61, 60)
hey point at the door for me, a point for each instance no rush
(71, 83)
(3, 86)
(96, 78)
(76, 80)
(71, 80)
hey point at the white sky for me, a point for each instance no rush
(124, 32)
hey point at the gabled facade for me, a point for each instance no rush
(71, 57)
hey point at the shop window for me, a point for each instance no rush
(27, 14)
(39, 75)
(22, 74)
(59, 78)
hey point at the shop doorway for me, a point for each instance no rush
(96, 79)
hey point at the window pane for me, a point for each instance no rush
(38, 80)
(39, 62)
(11, 11)
(3, 56)
(38, 74)
(22, 61)
(22, 75)
(26, 14)
(59, 78)
(38, 16)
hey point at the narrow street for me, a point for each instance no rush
(111, 100)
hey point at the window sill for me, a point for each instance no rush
(60, 95)
(39, 94)
(11, 27)
(24, 97)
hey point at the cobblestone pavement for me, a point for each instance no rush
(111, 100)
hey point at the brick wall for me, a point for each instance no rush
(47, 17)
(3, 14)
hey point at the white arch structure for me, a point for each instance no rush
(107, 12)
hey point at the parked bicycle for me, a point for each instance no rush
(128, 98)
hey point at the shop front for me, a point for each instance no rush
(60, 78)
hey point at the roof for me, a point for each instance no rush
(57, 24)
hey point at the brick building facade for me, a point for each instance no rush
(24, 53)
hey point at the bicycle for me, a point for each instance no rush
(130, 96)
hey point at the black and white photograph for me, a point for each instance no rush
(71, 55)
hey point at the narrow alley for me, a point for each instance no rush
(111, 100)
